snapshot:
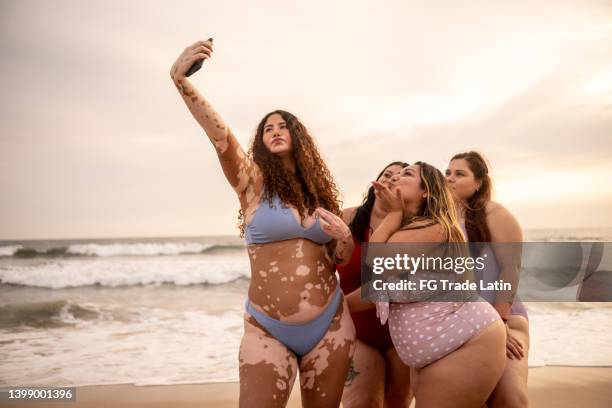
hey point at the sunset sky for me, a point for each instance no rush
(96, 142)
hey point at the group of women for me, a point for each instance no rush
(300, 319)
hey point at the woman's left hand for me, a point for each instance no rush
(333, 225)
(514, 348)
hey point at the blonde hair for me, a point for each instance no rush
(438, 207)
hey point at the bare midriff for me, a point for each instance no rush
(292, 281)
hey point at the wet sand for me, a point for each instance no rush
(558, 387)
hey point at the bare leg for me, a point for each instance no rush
(365, 384)
(267, 368)
(398, 392)
(511, 390)
(323, 370)
(466, 377)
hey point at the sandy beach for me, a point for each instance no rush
(558, 387)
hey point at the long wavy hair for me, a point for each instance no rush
(361, 221)
(438, 206)
(310, 187)
(475, 208)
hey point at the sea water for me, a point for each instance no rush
(169, 311)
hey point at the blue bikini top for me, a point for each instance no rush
(277, 223)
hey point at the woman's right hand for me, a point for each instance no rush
(382, 312)
(390, 200)
(196, 51)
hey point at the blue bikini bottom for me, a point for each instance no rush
(298, 337)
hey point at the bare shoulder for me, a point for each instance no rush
(503, 225)
(498, 213)
(494, 207)
(348, 214)
(430, 233)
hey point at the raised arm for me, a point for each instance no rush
(393, 219)
(240, 170)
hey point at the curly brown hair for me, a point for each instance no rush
(310, 187)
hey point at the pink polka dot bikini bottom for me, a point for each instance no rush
(424, 332)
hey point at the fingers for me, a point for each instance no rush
(326, 215)
(331, 229)
(382, 311)
(332, 219)
(198, 50)
(333, 225)
(208, 43)
(382, 189)
(513, 351)
(378, 186)
(330, 215)
(384, 315)
(519, 349)
(198, 57)
(390, 200)
(202, 49)
(325, 225)
(509, 351)
(198, 53)
(326, 220)
(378, 189)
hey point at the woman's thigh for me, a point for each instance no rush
(398, 392)
(267, 368)
(467, 376)
(511, 390)
(323, 370)
(365, 383)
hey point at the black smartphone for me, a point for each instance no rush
(196, 65)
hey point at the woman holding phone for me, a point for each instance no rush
(296, 318)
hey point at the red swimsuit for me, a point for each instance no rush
(367, 325)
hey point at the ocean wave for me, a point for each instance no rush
(157, 345)
(117, 249)
(52, 314)
(9, 250)
(68, 273)
(168, 345)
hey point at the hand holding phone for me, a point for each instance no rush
(197, 64)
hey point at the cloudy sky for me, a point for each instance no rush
(96, 142)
